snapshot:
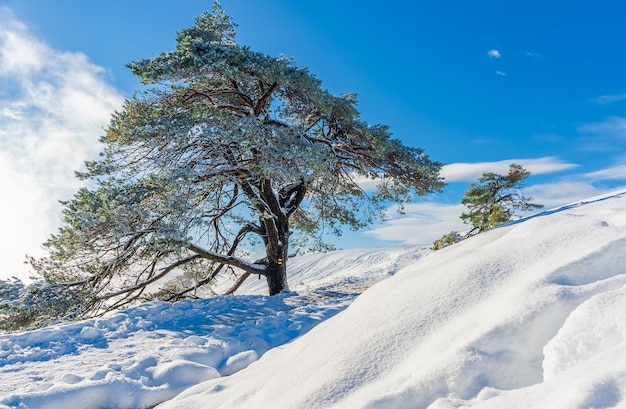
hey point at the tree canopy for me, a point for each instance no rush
(223, 144)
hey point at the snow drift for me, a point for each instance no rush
(529, 315)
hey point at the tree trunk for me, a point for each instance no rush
(276, 251)
(274, 221)
(277, 278)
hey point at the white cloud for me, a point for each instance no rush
(469, 172)
(500, 73)
(365, 183)
(613, 173)
(19, 53)
(53, 106)
(612, 127)
(557, 194)
(493, 53)
(609, 99)
(421, 224)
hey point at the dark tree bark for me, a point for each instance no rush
(275, 224)
(277, 254)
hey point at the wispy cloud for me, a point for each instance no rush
(500, 73)
(609, 99)
(421, 224)
(561, 193)
(53, 106)
(617, 172)
(493, 53)
(605, 135)
(533, 55)
(469, 172)
(579, 186)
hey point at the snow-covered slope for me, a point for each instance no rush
(343, 268)
(530, 315)
(148, 354)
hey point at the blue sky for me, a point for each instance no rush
(477, 84)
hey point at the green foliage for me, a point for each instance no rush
(25, 307)
(224, 144)
(493, 201)
(447, 240)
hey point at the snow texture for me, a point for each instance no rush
(529, 315)
(148, 354)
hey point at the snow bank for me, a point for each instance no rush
(530, 315)
(146, 355)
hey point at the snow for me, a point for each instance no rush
(145, 355)
(529, 315)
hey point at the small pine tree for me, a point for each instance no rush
(447, 240)
(493, 201)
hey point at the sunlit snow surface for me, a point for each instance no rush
(530, 315)
(148, 354)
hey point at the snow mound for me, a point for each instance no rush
(530, 315)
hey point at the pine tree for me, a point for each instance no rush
(493, 201)
(222, 145)
(29, 306)
(447, 240)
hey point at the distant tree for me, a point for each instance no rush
(223, 144)
(447, 240)
(493, 200)
(491, 203)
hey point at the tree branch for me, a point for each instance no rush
(145, 283)
(238, 283)
(227, 259)
(245, 99)
(249, 228)
(260, 105)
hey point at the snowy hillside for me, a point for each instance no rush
(148, 354)
(531, 315)
(356, 268)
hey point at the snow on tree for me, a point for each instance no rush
(28, 306)
(223, 144)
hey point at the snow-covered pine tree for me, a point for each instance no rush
(223, 143)
(29, 306)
